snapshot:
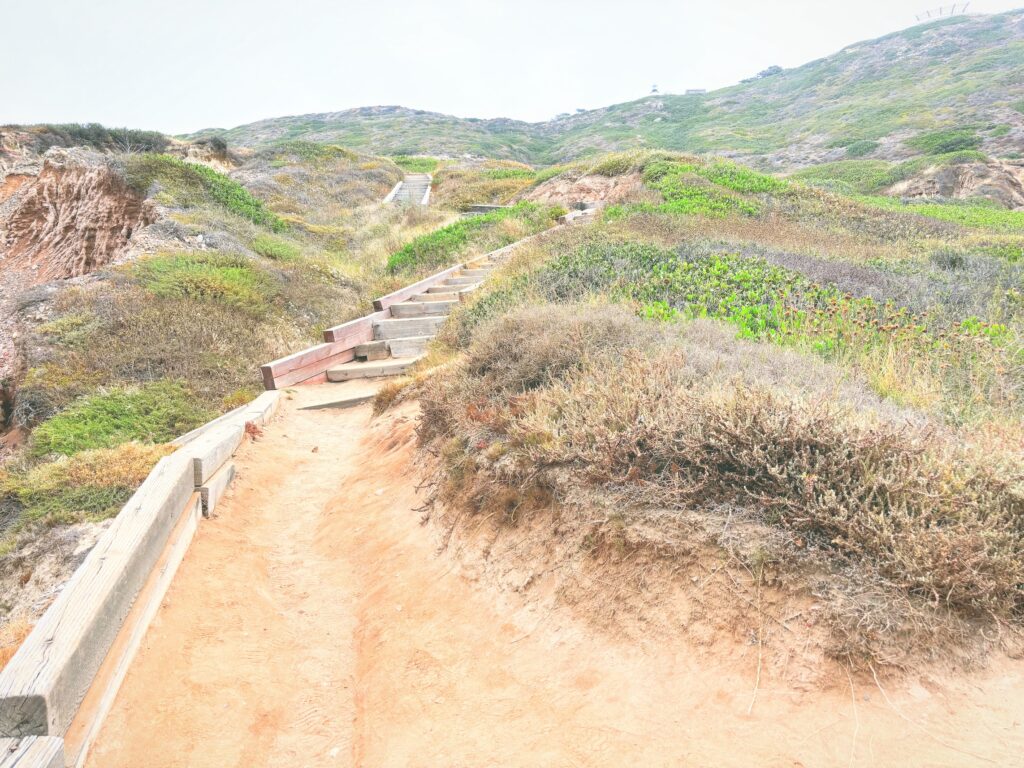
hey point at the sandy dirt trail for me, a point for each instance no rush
(315, 622)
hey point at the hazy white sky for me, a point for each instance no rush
(192, 64)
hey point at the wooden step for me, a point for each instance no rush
(392, 367)
(461, 281)
(400, 328)
(413, 346)
(454, 290)
(420, 308)
(432, 297)
(477, 273)
(372, 350)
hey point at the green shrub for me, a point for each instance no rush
(1011, 252)
(189, 184)
(94, 135)
(47, 388)
(156, 412)
(508, 173)
(739, 178)
(221, 278)
(860, 176)
(616, 164)
(945, 141)
(867, 176)
(861, 148)
(685, 193)
(274, 248)
(546, 174)
(975, 214)
(441, 247)
(416, 164)
(310, 152)
(91, 485)
(949, 258)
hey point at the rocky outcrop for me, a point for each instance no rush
(62, 216)
(76, 215)
(1002, 182)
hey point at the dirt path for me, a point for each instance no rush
(314, 622)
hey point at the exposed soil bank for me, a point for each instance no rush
(315, 621)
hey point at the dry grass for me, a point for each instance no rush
(12, 634)
(91, 485)
(457, 186)
(918, 527)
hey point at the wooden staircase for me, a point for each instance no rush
(393, 337)
(401, 339)
(414, 189)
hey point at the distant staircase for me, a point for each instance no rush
(391, 339)
(414, 189)
(401, 339)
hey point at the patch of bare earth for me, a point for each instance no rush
(610, 190)
(74, 217)
(321, 618)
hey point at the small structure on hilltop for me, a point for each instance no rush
(942, 12)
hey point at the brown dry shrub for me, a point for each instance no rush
(525, 350)
(942, 520)
(918, 528)
(459, 188)
(12, 635)
(141, 337)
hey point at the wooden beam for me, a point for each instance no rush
(42, 687)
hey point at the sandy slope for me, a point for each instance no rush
(316, 623)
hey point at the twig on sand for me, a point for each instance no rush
(856, 718)
(920, 727)
(760, 641)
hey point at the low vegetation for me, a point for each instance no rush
(945, 141)
(979, 214)
(256, 264)
(47, 135)
(458, 185)
(872, 176)
(584, 406)
(234, 281)
(843, 378)
(895, 93)
(414, 164)
(189, 184)
(472, 235)
(90, 486)
(153, 413)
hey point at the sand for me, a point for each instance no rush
(316, 622)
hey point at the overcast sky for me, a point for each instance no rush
(192, 64)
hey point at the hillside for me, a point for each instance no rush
(835, 381)
(956, 83)
(145, 281)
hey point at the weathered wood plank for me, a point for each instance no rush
(211, 451)
(305, 364)
(42, 687)
(107, 682)
(411, 290)
(354, 331)
(214, 488)
(307, 373)
(32, 752)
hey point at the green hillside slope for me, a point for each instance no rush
(956, 83)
